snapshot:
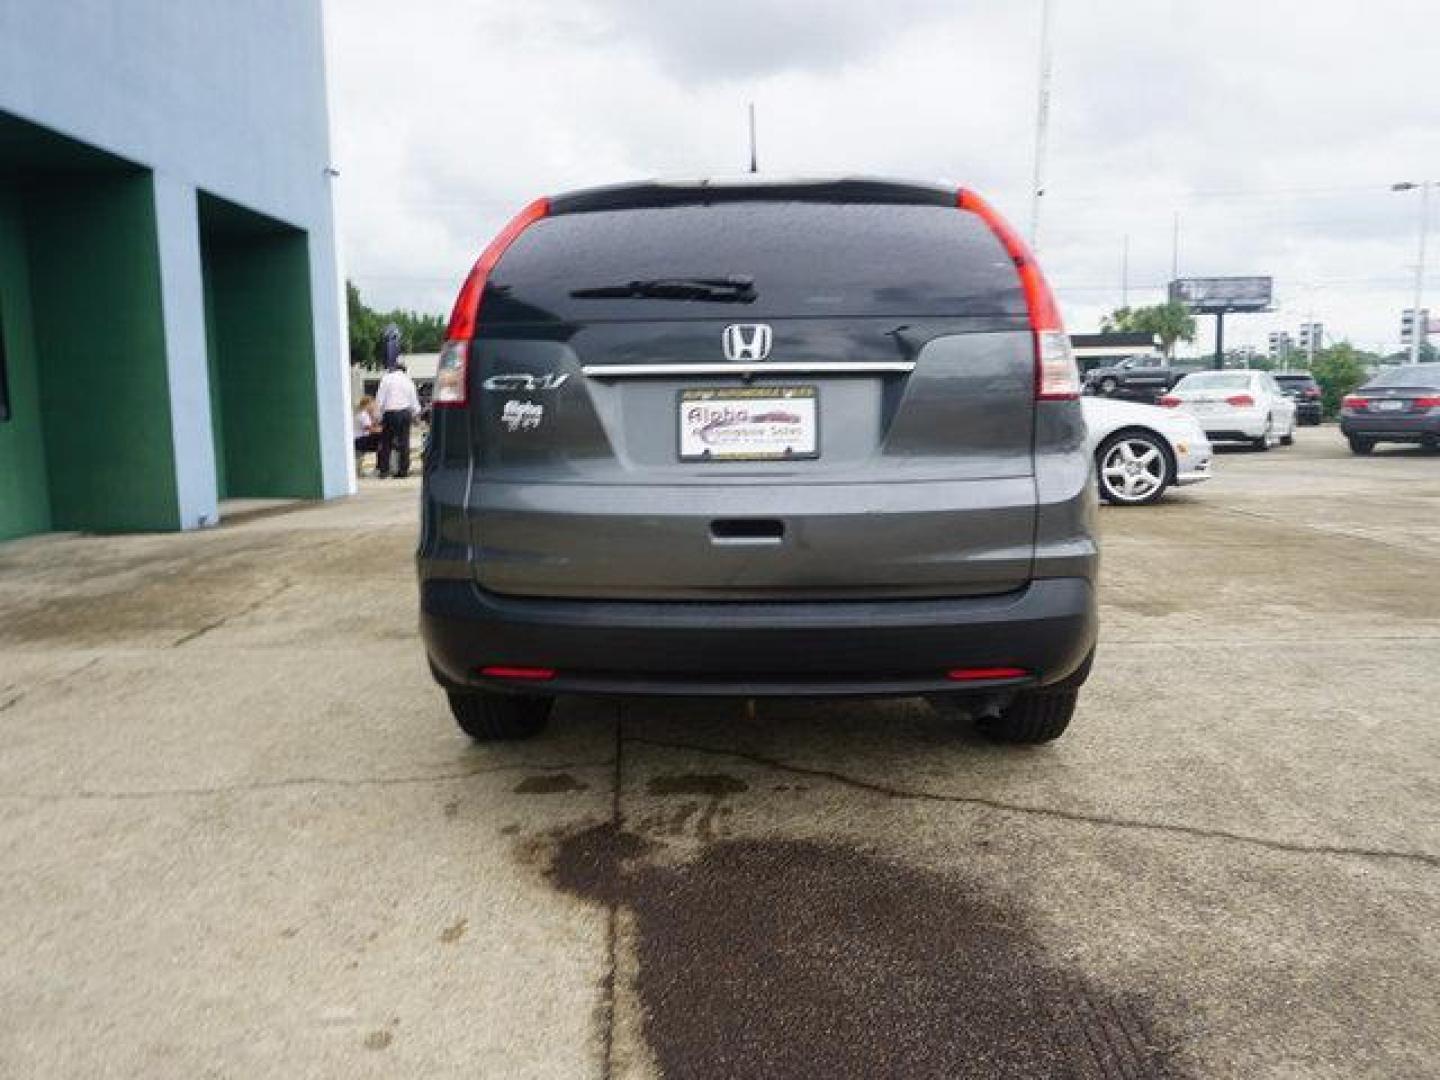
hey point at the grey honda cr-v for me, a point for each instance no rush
(758, 438)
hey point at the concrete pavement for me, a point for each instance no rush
(242, 838)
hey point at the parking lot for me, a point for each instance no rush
(242, 837)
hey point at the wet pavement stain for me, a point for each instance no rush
(797, 959)
(454, 932)
(714, 785)
(379, 1039)
(555, 784)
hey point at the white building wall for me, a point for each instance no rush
(224, 96)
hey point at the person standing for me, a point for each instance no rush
(399, 404)
(367, 432)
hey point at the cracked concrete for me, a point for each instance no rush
(250, 856)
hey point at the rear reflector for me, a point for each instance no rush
(524, 674)
(1056, 376)
(981, 674)
(1240, 401)
(451, 380)
(1169, 401)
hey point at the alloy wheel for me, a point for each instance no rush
(1133, 469)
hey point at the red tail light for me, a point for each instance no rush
(521, 674)
(1240, 401)
(1056, 376)
(1169, 401)
(982, 674)
(1429, 402)
(1354, 401)
(452, 384)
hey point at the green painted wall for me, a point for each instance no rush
(24, 495)
(263, 357)
(100, 339)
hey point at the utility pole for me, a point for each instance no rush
(754, 166)
(1042, 124)
(1175, 247)
(1125, 272)
(1418, 331)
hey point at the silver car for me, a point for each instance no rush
(758, 438)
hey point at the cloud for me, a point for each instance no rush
(700, 41)
(1275, 137)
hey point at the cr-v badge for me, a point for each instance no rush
(747, 341)
(525, 382)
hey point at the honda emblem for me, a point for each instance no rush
(747, 341)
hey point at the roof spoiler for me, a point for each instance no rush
(658, 193)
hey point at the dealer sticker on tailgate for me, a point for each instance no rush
(760, 423)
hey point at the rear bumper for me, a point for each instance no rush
(745, 649)
(1235, 424)
(1392, 428)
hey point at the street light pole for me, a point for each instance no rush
(1042, 124)
(1417, 331)
(1125, 272)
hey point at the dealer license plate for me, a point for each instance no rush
(759, 423)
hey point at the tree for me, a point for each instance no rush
(1339, 369)
(1170, 322)
(419, 332)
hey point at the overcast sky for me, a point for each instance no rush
(1273, 128)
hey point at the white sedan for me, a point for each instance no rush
(1236, 406)
(1141, 450)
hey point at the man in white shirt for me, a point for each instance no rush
(399, 404)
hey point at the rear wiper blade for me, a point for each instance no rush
(735, 289)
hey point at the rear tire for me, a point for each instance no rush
(1035, 716)
(1361, 446)
(1265, 441)
(500, 717)
(1287, 440)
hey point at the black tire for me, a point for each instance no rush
(500, 717)
(1035, 716)
(1287, 440)
(1142, 496)
(1361, 446)
(1263, 442)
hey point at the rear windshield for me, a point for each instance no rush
(1215, 380)
(803, 259)
(1295, 380)
(1408, 375)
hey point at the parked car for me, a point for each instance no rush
(603, 511)
(1236, 406)
(1141, 450)
(1401, 404)
(1142, 378)
(1301, 387)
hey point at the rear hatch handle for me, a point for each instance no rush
(747, 531)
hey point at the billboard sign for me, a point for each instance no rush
(1217, 294)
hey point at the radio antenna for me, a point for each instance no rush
(754, 167)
